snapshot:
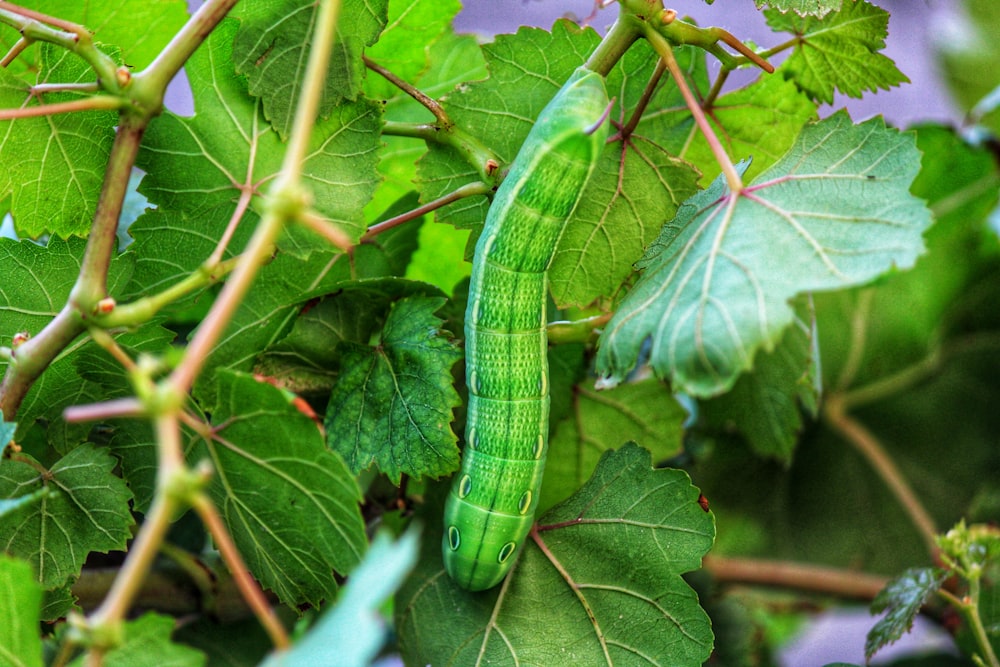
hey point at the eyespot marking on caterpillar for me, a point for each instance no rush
(454, 538)
(505, 552)
(464, 486)
(524, 504)
(539, 449)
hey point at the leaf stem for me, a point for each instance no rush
(150, 85)
(665, 51)
(476, 153)
(95, 103)
(467, 190)
(251, 592)
(420, 96)
(871, 449)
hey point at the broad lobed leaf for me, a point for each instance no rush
(834, 212)
(393, 403)
(85, 509)
(839, 51)
(290, 503)
(601, 564)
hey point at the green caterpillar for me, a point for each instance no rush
(492, 502)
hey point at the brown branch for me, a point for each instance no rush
(798, 576)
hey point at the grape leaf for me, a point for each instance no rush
(393, 403)
(55, 163)
(839, 51)
(197, 164)
(272, 48)
(901, 599)
(20, 601)
(601, 564)
(805, 7)
(834, 212)
(147, 644)
(644, 412)
(308, 524)
(87, 511)
(353, 632)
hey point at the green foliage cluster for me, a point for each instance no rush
(790, 315)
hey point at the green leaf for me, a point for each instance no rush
(644, 412)
(20, 601)
(393, 404)
(147, 644)
(764, 404)
(839, 51)
(804, 7)
(308, 524)
(87, 511)
(353, 632)
(901, 599)
(834, 212)
(272, 48)
(55, 163)
(612, 559)
(197, 164)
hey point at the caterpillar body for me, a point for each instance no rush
(492, 501)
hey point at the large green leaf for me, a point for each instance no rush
(839, 51)
(393, 403)
(834, 212)
(308, 524)
(87, 511)
(271, 49)
(20, 601)
(55, 164)
(197, 164)
(599, 566)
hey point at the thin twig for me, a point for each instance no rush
(466, 190)
(95, 103)
(425, 100)
(869, 446)
(798, 576)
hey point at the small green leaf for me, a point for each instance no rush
(55, 163)
(834, 212)
(804, 7)
(393, 404)
(20, 601)
(601, 564)
(86, 511)
(148, 644)
(902, 599)
(272, 48)
(308, 525)
(645, 412)
(353, 632)
(839, 51)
